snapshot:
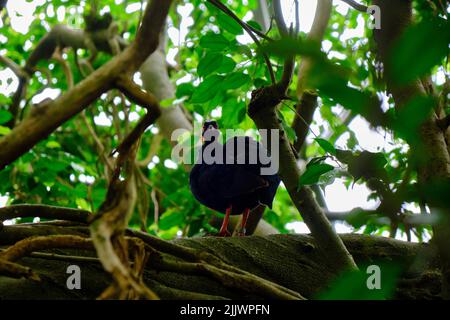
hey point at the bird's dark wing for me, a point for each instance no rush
(232, 181)
(244, 150)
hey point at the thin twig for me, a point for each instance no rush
(248, 28)
(152, 151)
(60, 257)
(356, 5)
(279, 19)
(250, 32)
(14, 270)
(65, 66)
(289, 62)
(135, 94)
(18, 71)
(99, 145)
(156, 207)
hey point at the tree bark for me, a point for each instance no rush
(292, 261)
(434, 163)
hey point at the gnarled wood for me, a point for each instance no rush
(292, 261)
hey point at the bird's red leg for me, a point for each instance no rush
(224, 229)
(244, 222)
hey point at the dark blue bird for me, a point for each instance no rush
(227, 177)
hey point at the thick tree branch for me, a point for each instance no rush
(246, 282)
(444, 123)
(35, 128)
(279, 19)
(61, 36)
(136, 95)
(262, 110)
(431, 149)
(308, 99)
(303, 118)
(27, 246)
(112, 219)
(304, 268)
(44, 211)
(317, 32)
(282, 86)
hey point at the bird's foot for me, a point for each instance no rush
(241, 232)
(224, 233)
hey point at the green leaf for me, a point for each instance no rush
(326, 145)
(235, 80)
(233, 113)
(258, 83)
(287, 47)
(243, 49)
(4, 130)
(352, 141)
(313, 173)
(227, 65)
(171, 218)
(214, 41)
(83, 204)
(241, 115)
(227, 23)
(210, 62)
(332, 82)
(166, 102)
(80, 191)
(52, 144)
(290, 132)
(421, 47)
(184, 89)
(58, 166)
(5, 116)
(98, 196)
(353, 285)
(358, 217)
(4, 100)
(365, 164)
(207, 89)
(254, 24)
(217, 100)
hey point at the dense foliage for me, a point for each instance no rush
(215, 67)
